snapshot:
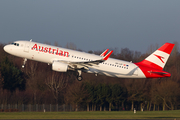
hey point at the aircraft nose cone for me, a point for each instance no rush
(6, 48)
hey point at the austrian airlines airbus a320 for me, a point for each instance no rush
(63, 59)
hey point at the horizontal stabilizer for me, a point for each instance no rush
(163, 73)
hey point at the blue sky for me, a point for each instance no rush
(91, 24)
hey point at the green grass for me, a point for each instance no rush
(92, 115)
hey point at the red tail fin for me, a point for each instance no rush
(158, 59)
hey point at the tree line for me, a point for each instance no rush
(38, 84)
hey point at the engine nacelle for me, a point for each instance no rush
(59, 67)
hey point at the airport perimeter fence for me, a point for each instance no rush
(39, 108)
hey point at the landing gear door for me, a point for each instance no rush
(26, 46)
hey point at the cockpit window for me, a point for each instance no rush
(16, 44)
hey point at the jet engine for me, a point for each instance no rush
(59, 67)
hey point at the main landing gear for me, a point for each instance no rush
(79, 76)
(24, 62)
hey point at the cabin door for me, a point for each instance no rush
(27, 47)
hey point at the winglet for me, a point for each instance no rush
(107, 56)
(104, 53)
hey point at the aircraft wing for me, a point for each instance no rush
(86, 64)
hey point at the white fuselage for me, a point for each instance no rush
(48, 53)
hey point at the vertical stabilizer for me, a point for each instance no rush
(158, 59)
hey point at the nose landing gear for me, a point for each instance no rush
(24, 62)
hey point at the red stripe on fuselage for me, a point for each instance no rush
(149, 64)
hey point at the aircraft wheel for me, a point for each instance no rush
(79, 78)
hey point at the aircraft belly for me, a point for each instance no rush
(131, 72)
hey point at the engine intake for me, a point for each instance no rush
(59, 67)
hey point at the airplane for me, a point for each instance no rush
(63, 59)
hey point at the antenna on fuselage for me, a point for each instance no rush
(30, 40)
